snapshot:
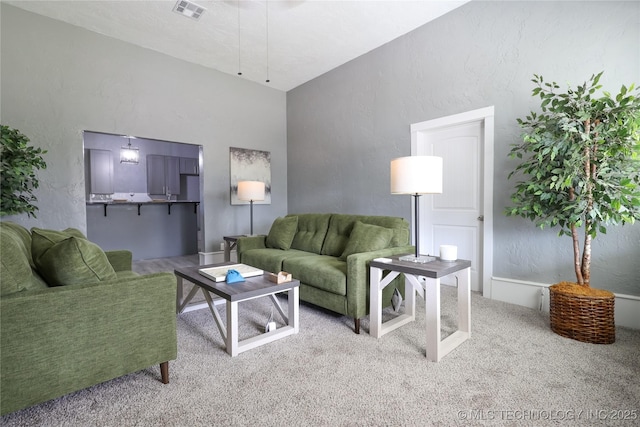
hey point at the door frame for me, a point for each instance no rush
(486, 117)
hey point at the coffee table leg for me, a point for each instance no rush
(232, 328)
(294, 309)
(179, 286)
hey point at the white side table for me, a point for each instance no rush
(432, 272)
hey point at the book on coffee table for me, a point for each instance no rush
(219, 274)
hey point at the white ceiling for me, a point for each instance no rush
(305, 38)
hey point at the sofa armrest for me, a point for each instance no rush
(62, 339)
(250, 242)
(121, 260)
(358, 277)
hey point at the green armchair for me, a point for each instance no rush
(58, 339)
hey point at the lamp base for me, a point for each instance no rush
(420, 259)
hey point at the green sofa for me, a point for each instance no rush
(330, 254)
(99, 322)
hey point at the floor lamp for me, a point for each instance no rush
(416, 175)
(251, 191)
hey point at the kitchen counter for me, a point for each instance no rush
(116, 202)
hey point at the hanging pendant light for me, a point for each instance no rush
(129, 154)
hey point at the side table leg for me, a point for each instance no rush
(464, 301)
(432, 306)
(227, 251)
(375, 304)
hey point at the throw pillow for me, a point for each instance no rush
(43, 239)
(282, 232)
(366, 238)
(65, 259)
(74, 232)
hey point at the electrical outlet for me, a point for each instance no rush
(222, 246)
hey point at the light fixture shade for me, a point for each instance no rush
(251, 190)
(129, 155)
(416, 175)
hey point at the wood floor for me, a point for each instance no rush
(161, 265)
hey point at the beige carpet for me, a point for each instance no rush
(513, 371)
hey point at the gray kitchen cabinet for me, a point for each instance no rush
(101, 171)
(188, 166)
(163, 174)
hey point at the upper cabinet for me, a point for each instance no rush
(163, 174)
(101, 171)
(188, 166)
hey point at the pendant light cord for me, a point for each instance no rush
(266, 6)
(239, 65)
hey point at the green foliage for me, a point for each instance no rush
(580, 161)
(18, 166)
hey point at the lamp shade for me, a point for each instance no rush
(416, 175)
(251, 190)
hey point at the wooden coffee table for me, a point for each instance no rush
(231, 296)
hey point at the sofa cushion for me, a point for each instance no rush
(340, 227)
(64, 259)
(282, 232)
(312, 229)
(269, 259)
(320, 271)
(366, 238)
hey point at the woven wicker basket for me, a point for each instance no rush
(582, 313)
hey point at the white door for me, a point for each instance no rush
(461, 215)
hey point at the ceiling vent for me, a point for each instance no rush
(189, 9)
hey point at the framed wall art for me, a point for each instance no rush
(249, 165)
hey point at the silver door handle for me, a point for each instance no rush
(481, 218)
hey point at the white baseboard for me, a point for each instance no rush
(536, 295)
(215, 257)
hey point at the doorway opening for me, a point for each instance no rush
(463, 214)
(152, 206)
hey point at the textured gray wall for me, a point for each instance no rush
(59, 80)
(344, 127)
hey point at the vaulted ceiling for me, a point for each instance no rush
(286, 42)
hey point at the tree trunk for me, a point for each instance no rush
(586, 257)
(576, 245)
(576, 254)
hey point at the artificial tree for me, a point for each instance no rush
(580, 164)
(18, 165)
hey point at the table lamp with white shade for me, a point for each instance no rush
(251, 191)
(416, 175)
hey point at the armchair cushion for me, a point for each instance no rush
(366, 238)
(63, 258)
(282, 232)
(16, 271)
(16, 267)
